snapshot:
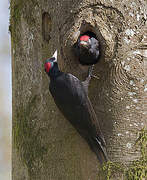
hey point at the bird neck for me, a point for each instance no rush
(54, 72)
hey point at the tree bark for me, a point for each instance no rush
(45, 145)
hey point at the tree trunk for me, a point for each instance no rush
(45, 145)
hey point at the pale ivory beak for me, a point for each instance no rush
(84, 44)
(55, 56)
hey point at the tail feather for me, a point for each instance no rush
(99, 148)
(101, 151)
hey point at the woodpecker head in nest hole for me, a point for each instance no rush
(87, 49)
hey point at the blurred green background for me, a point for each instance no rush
(5, 93)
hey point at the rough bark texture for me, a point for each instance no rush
(45, 145)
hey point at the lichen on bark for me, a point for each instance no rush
(137, 170)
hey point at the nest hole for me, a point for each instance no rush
(90, 34)
(91, 56)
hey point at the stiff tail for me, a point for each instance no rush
(98, 146)
(100, 150)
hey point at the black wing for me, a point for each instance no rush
(72, 100)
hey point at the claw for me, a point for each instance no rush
(96, 77)
(90, 70)
(88, 78)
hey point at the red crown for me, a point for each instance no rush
(84, 38)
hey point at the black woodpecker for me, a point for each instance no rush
(71, 98)
(87, 50)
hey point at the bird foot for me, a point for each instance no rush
(96, 77)
(87, 80)
(90, 70)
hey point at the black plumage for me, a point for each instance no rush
(87, 50)
(72, 100)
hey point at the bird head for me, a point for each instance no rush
(49, 64)
(84, 41)
(87, 49)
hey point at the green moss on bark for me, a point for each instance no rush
(15, 15)
(16, 10)
(137, 169)
(26, 137)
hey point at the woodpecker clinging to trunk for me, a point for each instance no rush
(87, 49)
(72, 100)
